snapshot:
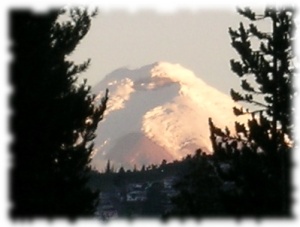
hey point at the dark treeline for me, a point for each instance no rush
(149, 181)
(111, 178)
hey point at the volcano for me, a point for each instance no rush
(159, 111)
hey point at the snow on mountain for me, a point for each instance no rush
(159, 111)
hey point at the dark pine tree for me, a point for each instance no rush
(108, 168)
(54, 118)
(261, 166)
(271, 66)
(251, 170)
(143, 169)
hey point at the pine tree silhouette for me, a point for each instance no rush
(272, 68)
(108, 168)
(54, 117)
(249, 173)
(265, 143)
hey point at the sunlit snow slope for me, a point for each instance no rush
(159, 111)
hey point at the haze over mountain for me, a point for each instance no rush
(159, 111)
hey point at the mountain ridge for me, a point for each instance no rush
(165, 105)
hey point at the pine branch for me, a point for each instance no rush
(258, 103)
(236, 96)
(247, 13)
(261, 35)
(247, 98)
(266, 50)
(237, 67)
(240, 128)
(247, 87)
(242, 112)
(234, 34)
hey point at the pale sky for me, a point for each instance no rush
(197, 40)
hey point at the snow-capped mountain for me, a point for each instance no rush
(159, 111)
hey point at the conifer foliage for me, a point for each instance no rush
(54, 117)
(271, 66)
(251, 168)
(260, 165)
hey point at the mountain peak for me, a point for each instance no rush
(162, 69)
(158, 111)
(174, 71)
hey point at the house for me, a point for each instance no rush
(169, 182)
(135, 196)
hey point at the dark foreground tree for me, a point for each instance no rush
(254, 165)
(54, 118)
(271, 67)
(269, 132)
(259, 157)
